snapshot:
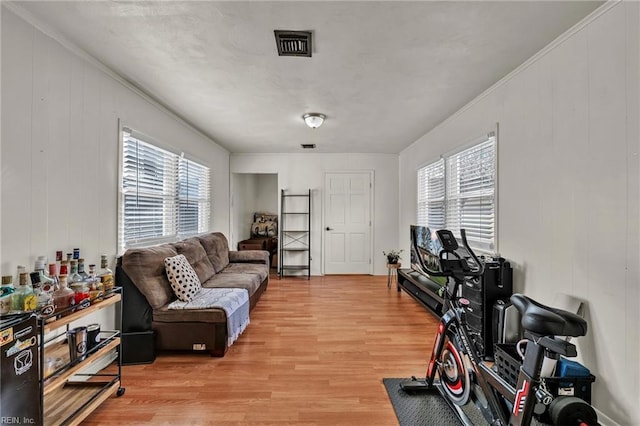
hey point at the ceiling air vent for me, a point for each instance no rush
(308, 145)
(293, 43)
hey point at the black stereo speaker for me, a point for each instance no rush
(483, 292)
(138, 347)
(506, 323)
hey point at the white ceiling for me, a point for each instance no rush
(384, 72)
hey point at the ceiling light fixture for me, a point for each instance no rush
(314, 120)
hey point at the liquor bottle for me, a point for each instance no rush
(81, 296)
(44, 299)
(23, 299)
(106, 277)
(69, 258)
(21, 270)
(53, 273)
(47, 283)
(64, 269)
(96, 289)
(74, 276)
(76, 254)
(7, 290)
(41, 259)
(63, 297)
(81, 271)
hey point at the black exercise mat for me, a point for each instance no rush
(421, 408)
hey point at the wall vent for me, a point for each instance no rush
(308, 145)
(293, 43)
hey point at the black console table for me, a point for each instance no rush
(422, 289)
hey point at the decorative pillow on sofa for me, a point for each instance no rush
(184, 280)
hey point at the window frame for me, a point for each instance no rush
(421, 216)
(171, 186)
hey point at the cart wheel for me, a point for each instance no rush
(120, 392)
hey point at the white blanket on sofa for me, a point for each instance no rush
(234, 301)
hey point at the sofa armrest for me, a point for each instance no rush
(136, 311)
(249, 256)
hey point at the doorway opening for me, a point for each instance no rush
(251, 193)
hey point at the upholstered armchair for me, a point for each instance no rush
(264, 234)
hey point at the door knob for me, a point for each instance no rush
(329, 229)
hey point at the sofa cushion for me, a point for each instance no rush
(145, 267)
(217, 248)
(249, 256)
(184, 280)
(261, 270)
(250, 282)
(197, 257)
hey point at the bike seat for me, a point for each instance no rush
(546, 321)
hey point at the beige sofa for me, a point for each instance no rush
(147, 294)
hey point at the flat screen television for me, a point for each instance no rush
(425, 251)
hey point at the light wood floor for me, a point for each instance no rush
(315, 353)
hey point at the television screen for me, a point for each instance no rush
(425, 250)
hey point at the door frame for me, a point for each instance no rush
(372, 192)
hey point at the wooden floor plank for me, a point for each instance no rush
(315, 353)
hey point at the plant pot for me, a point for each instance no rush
(392, 260)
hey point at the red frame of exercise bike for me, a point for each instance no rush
(490, 382)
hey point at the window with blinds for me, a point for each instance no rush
(194, 206)
(164, 196)
(431, 195)
(458, 191)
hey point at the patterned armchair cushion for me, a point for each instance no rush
(265, 217)
(264, 229)
(264, 225)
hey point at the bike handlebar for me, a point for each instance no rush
(457, 268)
(463, 235)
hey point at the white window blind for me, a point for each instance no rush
(431, 195)
(466, 198)
(194, 206)
(163, 196)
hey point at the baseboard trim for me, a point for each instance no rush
(605, 420)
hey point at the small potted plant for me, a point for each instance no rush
(392, 256)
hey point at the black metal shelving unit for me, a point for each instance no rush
(295, 234)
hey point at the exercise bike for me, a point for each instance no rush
(463, 378)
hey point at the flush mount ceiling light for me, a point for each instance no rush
(314, 120)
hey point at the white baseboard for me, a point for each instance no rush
(605, 420)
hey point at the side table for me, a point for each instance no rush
(392, 274)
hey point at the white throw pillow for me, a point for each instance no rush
(183, 278)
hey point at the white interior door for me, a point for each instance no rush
(347, 231)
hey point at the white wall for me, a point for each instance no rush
(568, 175)
(60, 149)
(268, 196)
(243, 196)
(300, 172)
